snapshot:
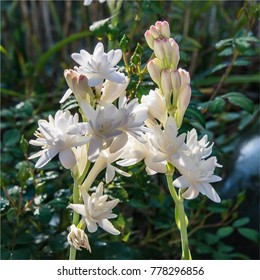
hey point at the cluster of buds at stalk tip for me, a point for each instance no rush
(173, 83)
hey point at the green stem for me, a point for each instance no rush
(75, 220)
(180, 218)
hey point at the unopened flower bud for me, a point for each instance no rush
(182, 103)
(174, 54)
(154, 70)
(78, 84)
(78, 238)
(185, 77)
(149, 39)
(165, 29)
(159, 49)
(166, 86)
(155, 32)
(176, 83)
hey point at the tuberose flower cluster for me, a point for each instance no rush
(114, 130)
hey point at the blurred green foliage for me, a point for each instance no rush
(219, 47)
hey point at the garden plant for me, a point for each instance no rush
(136, 121)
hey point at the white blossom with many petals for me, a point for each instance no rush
(197, 172)
(52, 136)
(96, 210)
(156, 104)
(196, 178)
(167, 143)
(108, 126)
(136, 151)
(100, 65)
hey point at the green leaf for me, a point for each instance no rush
(11, 137)
(226, 52)
(249, 233)
(224, 232)
(124, 43)
(11, 214)
(241, 44)
(219, 67)
(223, 43)
(217, 105)
(241, 222)
(194, 114)
(240, 100)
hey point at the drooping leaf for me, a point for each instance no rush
(217, 105)
(241, 222)
(250, 234)
(240, 100)
(224, 231)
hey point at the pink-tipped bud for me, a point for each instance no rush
(149, 39)
(154, 70)
(166, 86)
(78, 84)
(175, 54)
(182, 103)
(176, 83)
(155, 32)
(159, 49)
(165, 29)
(185, 77)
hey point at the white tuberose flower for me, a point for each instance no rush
(167, 143)
(135, 151)
(196, 178)
(100, 65)
(108, 126)
(78, 238)
(96, 210)
(197, 171)
(53, 138)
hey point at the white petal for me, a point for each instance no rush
(116, 77)
(95, 81)
(91, 225)
(67, 158)
(66, 95)
(190, 193)
(38, 154)
(46, 157)
(110, 173)
(122, 172)
(116, 58)
(107, 226)
(211, 193)
(95, 147)
(119, 142)
(181, 182)
(214, 178)
(79, 208)
(159, 167)
(78, 58)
